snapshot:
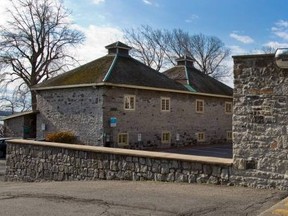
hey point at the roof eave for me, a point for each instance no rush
(19, 115)
(133, 87)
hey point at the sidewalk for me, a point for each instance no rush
(280, 209)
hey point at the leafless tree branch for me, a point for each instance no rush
(34, 43)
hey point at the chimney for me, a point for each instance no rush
(186, 60)
(118, 48)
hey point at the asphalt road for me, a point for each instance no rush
(223, 151)
(131, 198)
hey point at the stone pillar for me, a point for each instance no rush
(260, 122)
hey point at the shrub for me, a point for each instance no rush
(62, 137)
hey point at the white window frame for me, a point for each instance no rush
(166, 141)
(127, 101)
(196, 106)
(226, 105)
(120, 139)
(166, 101)
(201, 136)
(229, 135)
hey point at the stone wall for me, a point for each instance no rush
(14, 127)
(78, 110)
(260, 122)
(20, 125)
(148, 120)
(87, 111)
(41, 161)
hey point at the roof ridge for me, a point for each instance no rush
(110, 68)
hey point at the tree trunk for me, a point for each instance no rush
(33, 100)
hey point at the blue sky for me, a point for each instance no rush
(245, 26)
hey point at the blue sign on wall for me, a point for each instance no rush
(113, 122)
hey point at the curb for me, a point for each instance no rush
(280, 209)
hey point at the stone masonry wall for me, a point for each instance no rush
(87, 111)
(78, 110)
(260, 122)
(148, 120)
(14, 127)
(40, 161)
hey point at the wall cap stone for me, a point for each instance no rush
(255, 56)
(129, 152)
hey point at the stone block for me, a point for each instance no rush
(155, 168)
(128, 175)
(142, 161)
(202, 178)
(225, 174)
(213, 180)
(110, 175)
(207, 169)
(113, 165)
(239, 163)
(170, 177)
(165, 169)
(143, 168)
(192, 178)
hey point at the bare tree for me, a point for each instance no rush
(18, 101)
(34, 43)
(268, 49)
(148, 45)
(178, 44)
(209, 53)
(153, 44)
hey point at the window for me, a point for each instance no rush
(229, 135)
(166, 137)
(129, 102)
(165, 104)
(200, 106)
(228, 107)
(123, 139)
(200, 136)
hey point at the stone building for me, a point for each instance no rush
(260, 122)
(118, 101)
(22, 125)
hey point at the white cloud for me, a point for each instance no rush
(281, 29)
(192, 18)
(151, 2)
(276, 44)
(242, 38)
(148, 2)
(5, 4)
(283, 35)
(97, 37)
(236, 50)
(98, 1)
(282, 23)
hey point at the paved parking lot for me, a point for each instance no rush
(132, 198)
(224, 151)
